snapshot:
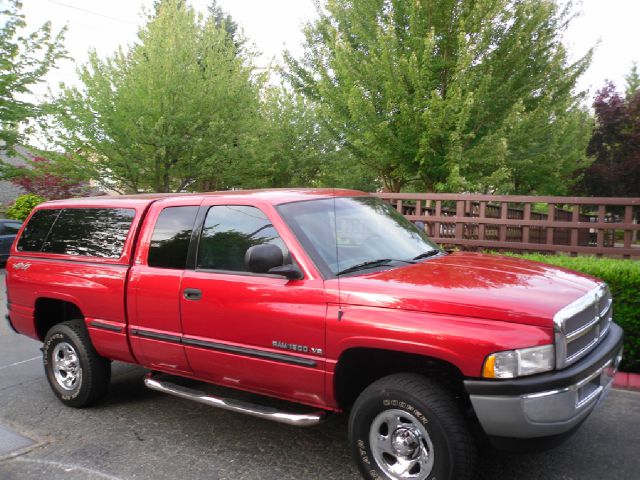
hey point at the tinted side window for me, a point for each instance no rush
(228, 233)
(171, 236)
(36, 231)
(91, 232)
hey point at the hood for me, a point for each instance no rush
(472, 285)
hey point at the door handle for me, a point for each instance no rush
(192, 294)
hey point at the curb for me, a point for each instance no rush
(627, 381)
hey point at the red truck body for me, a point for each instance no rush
(288, 338)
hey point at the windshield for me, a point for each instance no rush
(358, 234)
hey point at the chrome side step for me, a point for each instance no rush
(259, 411)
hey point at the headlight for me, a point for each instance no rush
(517, 363)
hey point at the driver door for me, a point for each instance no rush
(257, 332)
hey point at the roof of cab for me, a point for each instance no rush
(275, 196)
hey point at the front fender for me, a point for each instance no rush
(461, 341)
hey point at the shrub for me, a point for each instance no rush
(623, 278)
(23, 205)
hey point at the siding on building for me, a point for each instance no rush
(9, 191)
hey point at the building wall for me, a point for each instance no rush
(9, 191)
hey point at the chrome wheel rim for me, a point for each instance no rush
(66, 366)
(401, 445)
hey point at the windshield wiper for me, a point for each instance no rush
(430, 253)
(364, 265)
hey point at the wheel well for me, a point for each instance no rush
(51, 311)
(359, 367)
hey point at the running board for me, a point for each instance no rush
(259, 411)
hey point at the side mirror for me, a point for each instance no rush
(262, 258)
(290, 271)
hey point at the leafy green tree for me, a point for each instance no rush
(632, 80)
(178, 110)
(24, 60)
(298, 151)
(455, 95)
(227, 23)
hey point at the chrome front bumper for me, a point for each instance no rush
(549, 404)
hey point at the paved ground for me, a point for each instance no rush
(140, 434)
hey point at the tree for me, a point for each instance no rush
(451, 95)
(297, 150)
(24, 60)
(632, 80)
(178, 110)
(615, 145)
(225, 21)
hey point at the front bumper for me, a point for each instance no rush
(549, 404)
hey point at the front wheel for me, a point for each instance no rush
(406, 426)
(77, 374)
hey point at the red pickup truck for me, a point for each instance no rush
(326, 300)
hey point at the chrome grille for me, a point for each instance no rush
(581, 325)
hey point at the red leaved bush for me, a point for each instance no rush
(40, 181)
(615, 144)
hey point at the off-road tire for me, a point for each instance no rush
(432, 409)
(94, 371)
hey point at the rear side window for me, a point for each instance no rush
(171, 237)
(36, 231)
(90, 232)
(87, 232)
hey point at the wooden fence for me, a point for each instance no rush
(585, 225)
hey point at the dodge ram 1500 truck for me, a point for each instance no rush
(325, 300)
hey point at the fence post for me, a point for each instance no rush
(527, 217)
(504, 214)
(575, 218)
(628, 236)
(436, 225)
(460, 219)
(600, 231)
(482, 214)
(551, 217)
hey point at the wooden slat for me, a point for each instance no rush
(459, 213)
(628, 218)
(482, 212)
(504, 211)
(600, 234)
(438, 213)
(527, 217)
(551, 217)
(575, 219)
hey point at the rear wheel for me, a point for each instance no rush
(406, 426)
(77, 374)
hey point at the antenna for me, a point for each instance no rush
(335, 236)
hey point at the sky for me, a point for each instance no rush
(273, 25)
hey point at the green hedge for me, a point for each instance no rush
(623, 278)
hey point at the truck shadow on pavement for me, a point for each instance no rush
(238, 446)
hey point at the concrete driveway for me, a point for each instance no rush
(140, 434)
